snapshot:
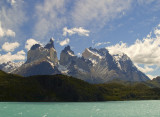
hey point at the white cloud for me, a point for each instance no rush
(21, 52)
(10, 33)
(80, 31)
(64, 42)
(7, 33)
(30, 43)
(144, 51)
(9, 47)
(19, 56)
(101, 43)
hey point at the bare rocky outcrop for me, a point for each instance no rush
(40, 61)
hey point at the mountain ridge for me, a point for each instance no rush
(94, 66)
(62, 88)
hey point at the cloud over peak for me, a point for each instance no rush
(30, 43)
(64, 42)
(93, 12)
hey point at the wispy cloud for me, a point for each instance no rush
(10, 47)
(93, 12)
(101, 43)
(80, 31)
(51, 16)
(12, 18)
(64, 42)
(6, 32)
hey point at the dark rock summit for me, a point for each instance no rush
(50, 44)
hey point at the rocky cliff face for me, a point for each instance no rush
(40, 61)
(95, 65)
(38, 52)
(128, 68)
(74, 66)
(98, 66)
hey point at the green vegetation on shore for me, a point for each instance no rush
(65, 88)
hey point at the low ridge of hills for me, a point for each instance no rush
(52, 88)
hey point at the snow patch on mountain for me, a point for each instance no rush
(10, 66)
(94, 62)
(63, 69)
(94, 53)
(70, 53)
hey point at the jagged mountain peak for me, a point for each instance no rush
(91, 53)
(101, 52)
(38, 53)
(121, 57)
(97, 54)
(68, 51)
(35, 46)
(50, 44)
(40, 61)
(67, 48)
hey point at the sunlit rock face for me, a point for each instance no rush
(40, 61)
(37, 52)
(127, 67)
(67, 56)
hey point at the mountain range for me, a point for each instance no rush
(94, 66)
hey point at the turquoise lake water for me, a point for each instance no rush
(80, 109)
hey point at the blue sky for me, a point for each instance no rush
(129, 26)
